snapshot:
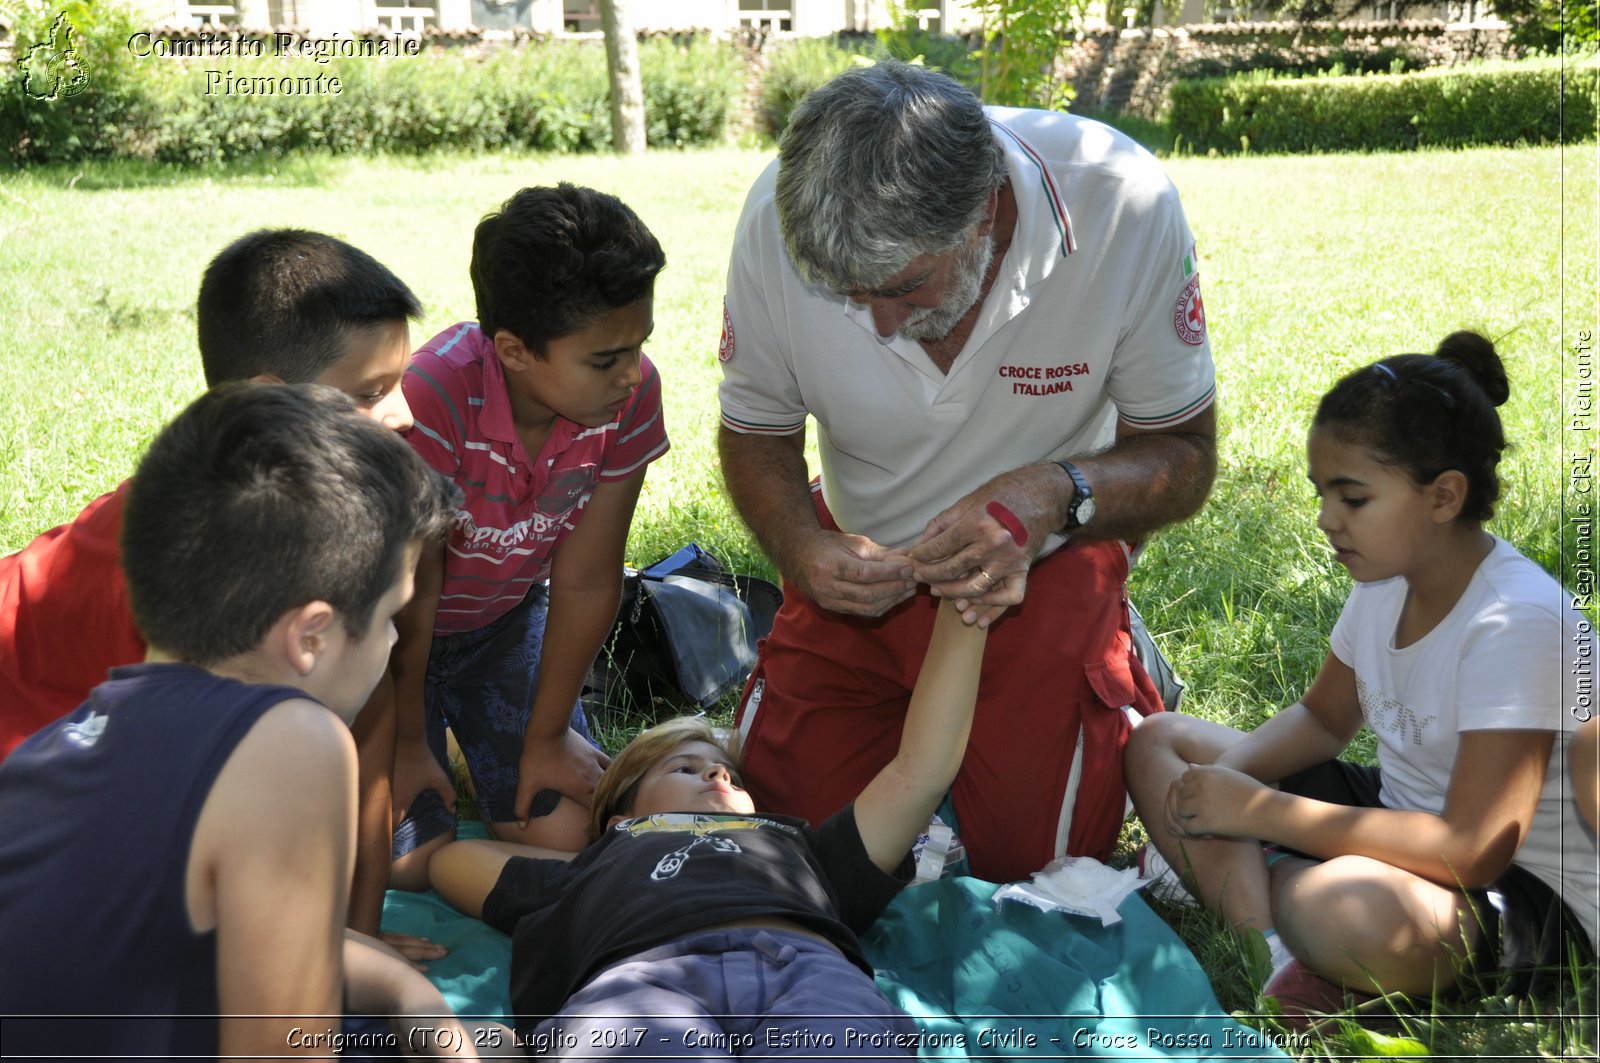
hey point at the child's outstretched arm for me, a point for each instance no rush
(464, 872)
(895, 806)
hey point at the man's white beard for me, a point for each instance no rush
(934, 323)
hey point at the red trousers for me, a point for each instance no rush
(823, 710)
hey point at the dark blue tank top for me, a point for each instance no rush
(97, 813)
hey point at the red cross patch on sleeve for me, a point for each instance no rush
(1189, 314)
(725, 348)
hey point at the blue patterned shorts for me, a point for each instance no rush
(480, 684)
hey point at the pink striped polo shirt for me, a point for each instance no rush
(516, 510)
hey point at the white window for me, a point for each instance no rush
(580, 16)
(929, 16)
(206, 14)
(773, 15)
(407, 16)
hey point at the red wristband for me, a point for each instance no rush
(1009, 521)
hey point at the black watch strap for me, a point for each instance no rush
(1081, 511)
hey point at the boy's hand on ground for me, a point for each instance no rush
(415, 770)
(1209, 800)
(565, 763)
(416, 951)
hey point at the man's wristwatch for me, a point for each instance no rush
(1081, 511)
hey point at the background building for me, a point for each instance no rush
(802, 18)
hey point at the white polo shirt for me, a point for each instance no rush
(1095, 312)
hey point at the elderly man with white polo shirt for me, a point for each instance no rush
(994, 316)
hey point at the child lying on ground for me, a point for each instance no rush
(693, 923)
(1460, 848)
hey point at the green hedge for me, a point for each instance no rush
(548, 95)
(1537, 102)
(793, 69)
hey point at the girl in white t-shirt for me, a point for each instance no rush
(1462, 848)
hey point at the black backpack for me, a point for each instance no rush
(686, 632)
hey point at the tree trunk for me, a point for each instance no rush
(627, 93)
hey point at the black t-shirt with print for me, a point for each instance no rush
(651, 880)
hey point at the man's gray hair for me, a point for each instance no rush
(878, 166)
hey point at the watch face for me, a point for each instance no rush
(1085, 511)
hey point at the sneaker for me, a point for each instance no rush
(1164, 881)
(1303, 997)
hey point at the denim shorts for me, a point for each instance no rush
(480, 684)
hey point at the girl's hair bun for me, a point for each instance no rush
(1476, 354)
(1428, 414)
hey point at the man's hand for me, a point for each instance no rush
(415, 770)
(849, 574)
(969, 554)
(565, 763)
(853, 575)
(1212, 801)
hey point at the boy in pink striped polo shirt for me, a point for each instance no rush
(545, 412)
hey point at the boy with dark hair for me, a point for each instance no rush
(545, 411)
(294, 306)
(269, 536)
(278, 305)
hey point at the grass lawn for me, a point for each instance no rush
(1312, 266)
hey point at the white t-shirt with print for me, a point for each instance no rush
(1501, 660)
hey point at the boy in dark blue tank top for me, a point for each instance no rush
(175, 855)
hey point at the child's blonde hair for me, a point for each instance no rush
(619, 784)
